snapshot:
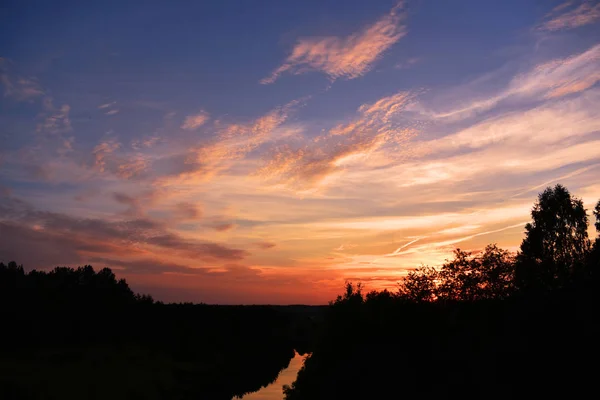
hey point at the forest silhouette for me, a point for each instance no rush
(77, 333)
(488, 324)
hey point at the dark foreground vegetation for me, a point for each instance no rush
(492, 325)
(81, 334)
(485, 325)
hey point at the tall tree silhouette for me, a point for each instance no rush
(593, 265)
(556, 241)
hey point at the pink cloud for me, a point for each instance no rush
(348, 57)
(193, 122)
(102, 151)
(586, 13)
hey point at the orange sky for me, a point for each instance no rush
(351, 149)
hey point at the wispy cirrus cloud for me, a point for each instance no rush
(348, 57)
(543, 125)
(18, 87)
(106, 105)
(584, 13)
(232, 142)
(55, 119)
(373, 128)
(109, 108)
(506, 145)
(552, 79)
(193, 122)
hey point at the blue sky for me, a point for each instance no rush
(266, 151)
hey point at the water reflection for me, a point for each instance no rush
(286, 377)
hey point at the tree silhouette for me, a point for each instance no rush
(597, 215)
(11, 275)
(496, 271)
(419, 285)
(593, 265)
(79, 333)
(556, 241)
(467, 277)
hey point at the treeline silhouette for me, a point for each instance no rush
(79, 333)
(484, 325)
(489, 324)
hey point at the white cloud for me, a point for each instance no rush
(106, 105)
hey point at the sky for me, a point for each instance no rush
(269, 151)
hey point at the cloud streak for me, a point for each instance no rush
(553, 79)
(93, 235)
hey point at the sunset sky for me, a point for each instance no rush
(267, 151)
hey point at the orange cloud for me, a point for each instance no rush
(348, 57)
(232, 142)
(374, 128)
(132, 168)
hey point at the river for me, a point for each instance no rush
(286, 377)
